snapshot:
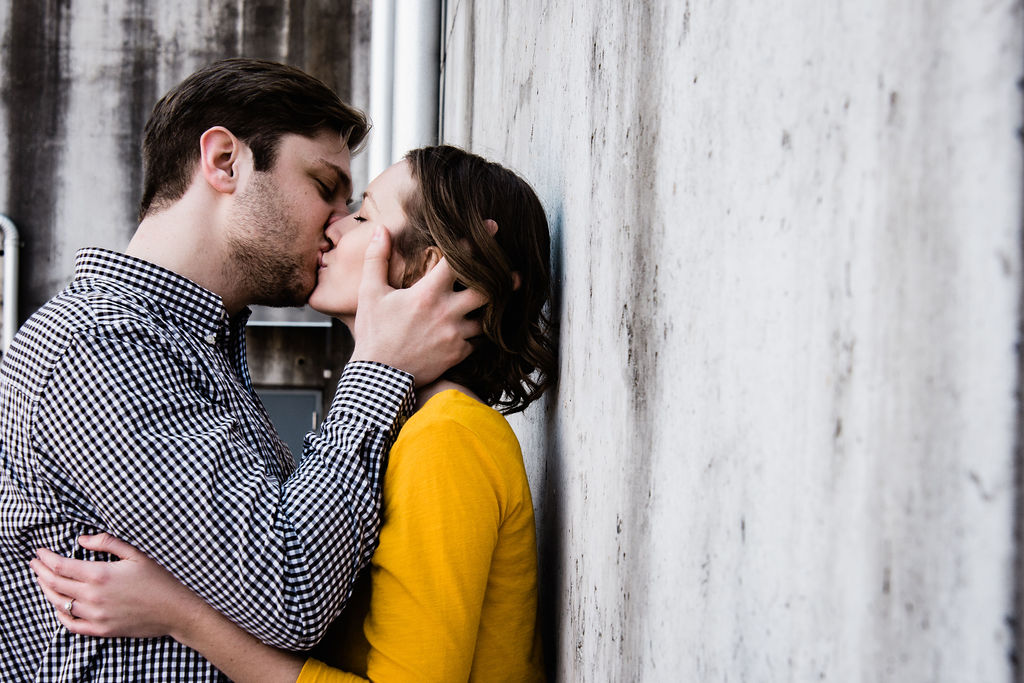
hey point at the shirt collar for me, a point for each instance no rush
(196, 308)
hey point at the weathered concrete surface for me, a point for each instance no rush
(788, 242)
(788, 248)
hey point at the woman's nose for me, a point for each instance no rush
(333, 232)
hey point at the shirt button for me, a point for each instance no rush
(211, 339)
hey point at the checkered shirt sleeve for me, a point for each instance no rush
(127, 425)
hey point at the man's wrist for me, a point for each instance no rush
(375, 391)
(365, 354)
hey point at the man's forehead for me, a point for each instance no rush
(327, 145)
(327, 150)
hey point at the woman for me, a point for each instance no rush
(452, 587)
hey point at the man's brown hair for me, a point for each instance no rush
(257, 100)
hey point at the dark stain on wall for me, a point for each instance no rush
(311, 34)
(641, 321)
(136, 97)
(263, 26)
(325, 53)
(35, 90)
(460, 90)
(1016, 618)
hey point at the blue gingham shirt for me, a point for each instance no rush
(126, 406)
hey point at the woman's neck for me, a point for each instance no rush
(423, 394)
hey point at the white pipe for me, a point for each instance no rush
(417, 69)
(10, 291)
(382, 50)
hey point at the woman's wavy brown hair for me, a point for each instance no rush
(514, 360)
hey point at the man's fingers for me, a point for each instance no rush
(375, 263)
(440, 280)
(440, 277)
(467, 301)
(469, 328)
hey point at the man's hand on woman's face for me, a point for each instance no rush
(422, 330)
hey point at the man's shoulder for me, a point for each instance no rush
(83, 313)
(90, 308)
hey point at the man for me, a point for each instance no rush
(126, 404)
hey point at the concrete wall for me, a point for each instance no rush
(789, 249)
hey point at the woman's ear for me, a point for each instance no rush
(491, 226)
(220, 153)
(431, 258)
(406, 273)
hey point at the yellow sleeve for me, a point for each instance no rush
(314, 671)
(444, 500)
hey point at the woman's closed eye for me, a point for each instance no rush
(355, 209)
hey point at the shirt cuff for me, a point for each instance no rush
(379, 393)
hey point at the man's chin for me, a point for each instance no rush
(284, 299)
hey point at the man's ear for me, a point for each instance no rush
(220, 153)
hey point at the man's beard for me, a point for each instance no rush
(259, 256)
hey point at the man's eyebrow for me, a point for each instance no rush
(344, 180)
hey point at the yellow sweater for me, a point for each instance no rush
(453, 584)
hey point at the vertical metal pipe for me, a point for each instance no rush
(417, 68)
(10, 290)
(382, 52)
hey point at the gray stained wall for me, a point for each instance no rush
(788, 243)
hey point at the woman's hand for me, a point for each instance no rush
(134, 597)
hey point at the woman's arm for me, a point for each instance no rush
(136, 597)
